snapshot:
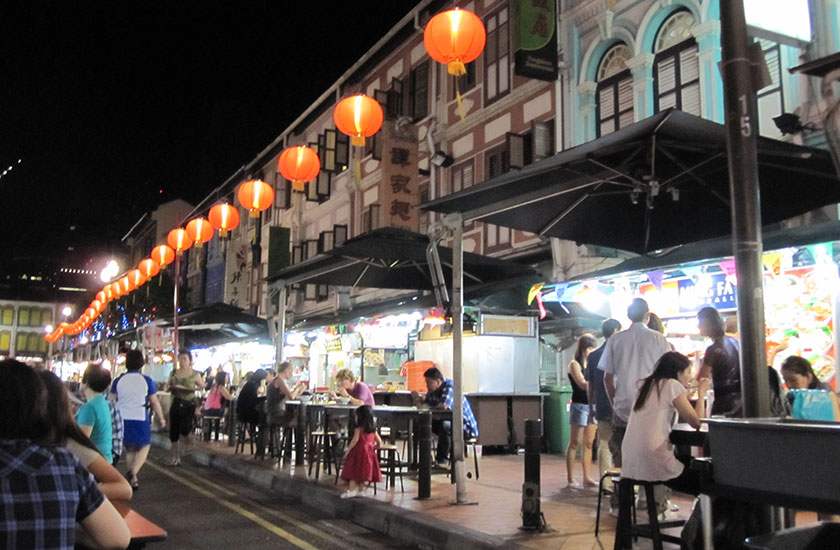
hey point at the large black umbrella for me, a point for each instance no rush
(658, 183)
(219, 324)
(394, 258)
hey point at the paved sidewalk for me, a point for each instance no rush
(492, 522)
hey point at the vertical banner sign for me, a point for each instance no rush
(236, 283)
(535, 39)
(399, 191)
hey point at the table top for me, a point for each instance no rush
(684, 434)
(504, 394)
(141, 529)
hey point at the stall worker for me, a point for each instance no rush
(358, 392)
(441, 395)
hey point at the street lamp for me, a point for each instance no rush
(109, 271)
(66, 311)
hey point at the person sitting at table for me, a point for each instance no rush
(358, 392)
(277, 392)
(440, 395)
(46, 491)
(217, 399)
(799, 375)
(183, 383)
(94, 417)
(647, 453)
(248, 401)
(65, 432)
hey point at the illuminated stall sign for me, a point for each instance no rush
(713, 290)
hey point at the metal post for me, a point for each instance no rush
(457, 312)
(424, 474)
(531, 514)
(741, 130)
(175, 313)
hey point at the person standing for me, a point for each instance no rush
(628, 357)
(136, 394)
(94, 417)
(720, 363)
(598, 399)
(581, 424)
(361, 463)
(183, 383)
(358, 392)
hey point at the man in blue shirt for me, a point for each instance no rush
(598, 397)
(441, 395)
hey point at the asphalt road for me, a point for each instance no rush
(203, 509)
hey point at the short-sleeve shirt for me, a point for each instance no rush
(96, 414)
(44, 491)
(646, 452)
(362, 392)
(133, 390)
(445, 395)
(629, 356)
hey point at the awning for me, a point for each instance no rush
(219, 324)
(713, 249)
(394, 258)
(658, 183)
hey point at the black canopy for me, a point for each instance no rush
(394, 258)
(658, 183)
(219, 324)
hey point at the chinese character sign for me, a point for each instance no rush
(398, 192)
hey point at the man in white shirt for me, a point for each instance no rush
(629, 356)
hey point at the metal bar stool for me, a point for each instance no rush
(627, 528)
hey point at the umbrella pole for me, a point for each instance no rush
(456, 224)
(741, 132)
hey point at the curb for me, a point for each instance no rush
(407, 526)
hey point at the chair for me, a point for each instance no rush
(320, 449)
(241, 428)
(608, 473)
(392, 465)
(628, 528)
(280, 438)
(470, 443)
(208, 424)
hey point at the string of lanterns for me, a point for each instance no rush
(454, 38)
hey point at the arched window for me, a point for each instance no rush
(676, 69)
(614, 101)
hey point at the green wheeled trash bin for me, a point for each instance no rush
(556, 417)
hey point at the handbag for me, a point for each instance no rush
(812, 405)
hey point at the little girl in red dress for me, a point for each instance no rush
(361, 463)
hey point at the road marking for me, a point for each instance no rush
(297, 523)
(300, 543)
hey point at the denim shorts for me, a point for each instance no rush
(579, 414)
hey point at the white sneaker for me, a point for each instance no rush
(349, 494)
(667, 515)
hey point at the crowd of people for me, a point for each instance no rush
(629, 392)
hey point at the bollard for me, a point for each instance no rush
(532, 518)
(424, 478)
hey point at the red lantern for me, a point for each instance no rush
(299, 165)
(116, 289)
(90, 312)
(101, 296)
(224, 217)
(455, 37)
(109, 294)
(97, 305)
(179, 241)
(136, 277)
(199, 231)
(256, 196)
(163, 255)
(126, 285)
(148, 267)
(358, 116)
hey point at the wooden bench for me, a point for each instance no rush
(142, 530)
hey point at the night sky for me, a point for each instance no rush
(116, 107)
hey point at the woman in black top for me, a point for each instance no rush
(582, 424)
(720, 363)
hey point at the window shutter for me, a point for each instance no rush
(326, 241)
(515, 145)
(322, 186)
(666, 75)
(283, 193)
(541, 134)
(342, 152)
(339, 234)
(312, 190)
(606, 102)
(297, 254)
(323, 292)
(691, 99)
(420, 91)
(310, 292)
(689, 65)
(625, 95)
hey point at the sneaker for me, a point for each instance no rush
(349, 494)
(613, 511)
(442, 463)
(667, 515)
(674, 507)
